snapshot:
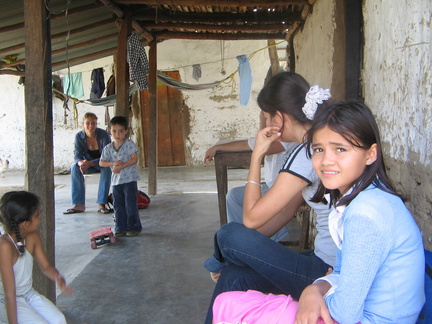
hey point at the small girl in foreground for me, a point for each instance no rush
(379, 271)
(19, 302)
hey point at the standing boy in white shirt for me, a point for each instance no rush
(122, 156)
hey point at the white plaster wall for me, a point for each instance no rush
(314, 47)
(397, 86)
(397, 75)
(214, 114)
(12, 114)
(12, 121)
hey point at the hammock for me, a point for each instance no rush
(109, 100)
(170, 82)
(163, 78)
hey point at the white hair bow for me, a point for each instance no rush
(314, 96)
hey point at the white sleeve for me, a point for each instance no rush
(333, 280)
(251, 142)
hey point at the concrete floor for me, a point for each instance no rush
(156, 277)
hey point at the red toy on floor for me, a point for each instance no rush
(101, 236)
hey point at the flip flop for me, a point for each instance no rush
(105, 211)
(72, 211)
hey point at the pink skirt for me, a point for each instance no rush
(254, 307)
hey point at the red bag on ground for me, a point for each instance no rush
(143, 200)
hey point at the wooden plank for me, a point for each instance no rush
(122, 71)
(176, 121)
(145, 122)
(164, 131)
(171, 149)
(153, 117)
(39, 130)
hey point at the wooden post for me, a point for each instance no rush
(353, 38)
(274, 58)
(153, 117)
(122, 70)
(39, 129)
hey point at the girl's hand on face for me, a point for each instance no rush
(312, 306)
(265, 137)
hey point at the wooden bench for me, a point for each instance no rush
(224, 160)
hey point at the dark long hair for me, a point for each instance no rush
(285, 92)
(355, 122)
(17, 207)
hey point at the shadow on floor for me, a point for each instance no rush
(156, 277)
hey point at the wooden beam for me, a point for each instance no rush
(12, 48)
(10, 28)
(39, 131)
(120, 14)
(75, 60)
(292, 30)
(122, 71)
(142, 31)
(158, 16)
(72, 11)
(153, 118)
(217, 36)
(12, 72)
(63, 34)
(225, 3)
(274, 58)
(113, 7)
(228, 28)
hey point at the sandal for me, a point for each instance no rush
(105, 210)
(73, 211)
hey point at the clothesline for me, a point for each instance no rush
(163, 78)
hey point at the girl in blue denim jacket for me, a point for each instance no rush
(379, 271)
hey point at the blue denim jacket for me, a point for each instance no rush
(80, 145)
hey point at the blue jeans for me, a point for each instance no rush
(248, 259)
(234, 206)
(78, 184)
(126, 211)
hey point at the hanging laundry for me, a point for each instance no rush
(245, 74)
(196, 73)
(138, 63)
(73, 85)
(98, 83)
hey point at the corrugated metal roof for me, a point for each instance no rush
(85, 30)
